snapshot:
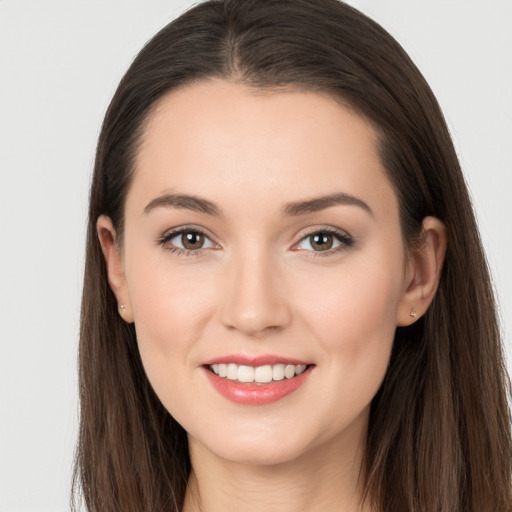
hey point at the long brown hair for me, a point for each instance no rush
(439, 434)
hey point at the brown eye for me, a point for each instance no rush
(325, 242)
(187, 240)
(192, 240)
(321, 241)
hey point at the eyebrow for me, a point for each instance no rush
(183, 201)
(321, 203)
(197, 204)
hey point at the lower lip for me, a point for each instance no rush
(256, 394)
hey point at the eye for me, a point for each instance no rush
(186, 240)
(324, 241)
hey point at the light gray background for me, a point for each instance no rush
(60, 62)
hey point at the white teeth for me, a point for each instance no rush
(246, 374)
(289, 371)
(232, 372)
(278, 372)
(259, 374)
(263, 374)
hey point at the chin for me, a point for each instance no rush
(257, 448)
(256, 455)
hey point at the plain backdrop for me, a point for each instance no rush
(60, 62)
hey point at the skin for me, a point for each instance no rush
(259, 287)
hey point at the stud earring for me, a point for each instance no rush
(413, 313)
(122, 308)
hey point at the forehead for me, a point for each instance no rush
(227, 140)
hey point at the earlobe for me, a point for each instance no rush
(425, 266)
(114, 264)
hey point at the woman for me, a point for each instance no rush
(286, 303)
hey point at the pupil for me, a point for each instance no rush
(192, 240)
(321, 241)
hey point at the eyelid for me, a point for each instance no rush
(346, 240)
(168, 235)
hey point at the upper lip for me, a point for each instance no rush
(262, 360)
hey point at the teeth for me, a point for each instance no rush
(246, 373)
(263, 374)
(232, 372)
(259, 374)
(278, 372)
(300, 369)
(289, 371)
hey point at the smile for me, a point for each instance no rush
(256, 381)
(259, 374)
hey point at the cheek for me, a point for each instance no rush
(171, 307)
(354, 323)
(351, 301)
(170, 313)
(168, 301)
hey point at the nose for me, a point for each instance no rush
(255, 300)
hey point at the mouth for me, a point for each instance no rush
(256, 381)
(264, 374)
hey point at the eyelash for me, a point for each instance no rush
(167, 237)
(346, 241)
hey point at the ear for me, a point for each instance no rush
(423, 272)
(115, 268)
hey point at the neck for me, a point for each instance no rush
(324, 479)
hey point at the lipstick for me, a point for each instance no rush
(256, 380)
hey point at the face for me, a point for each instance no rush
(262, 241)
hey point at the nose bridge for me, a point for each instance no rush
(253, 298)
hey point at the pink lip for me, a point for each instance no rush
(241, 359)
(256, 394)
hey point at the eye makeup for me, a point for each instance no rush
(186, 241)
(324, 241)
(193, 241)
